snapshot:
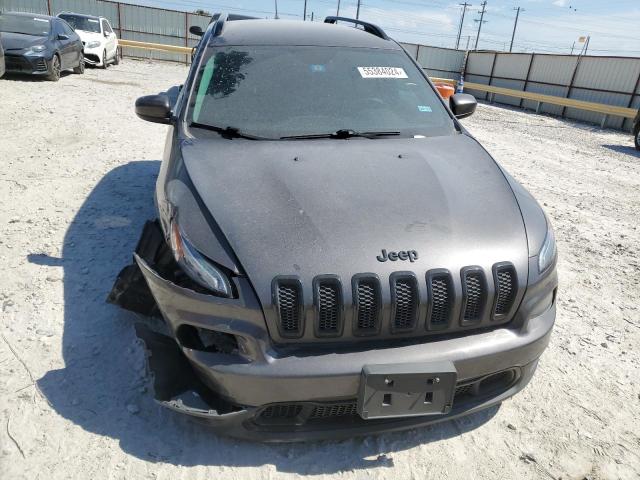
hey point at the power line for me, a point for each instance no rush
(464, 6)
(481, 21)
(515, 25)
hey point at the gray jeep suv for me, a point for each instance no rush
(335, 254)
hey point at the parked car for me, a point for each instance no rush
(636, 130)
(99, 40)
(40, 45)
(335, 254)
(2, 67)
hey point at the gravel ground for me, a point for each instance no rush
(76, 183)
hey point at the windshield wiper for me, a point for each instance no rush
(227, 132)
(341, 134)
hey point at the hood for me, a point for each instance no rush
(90, 36)
(20, 41)
(312, 207)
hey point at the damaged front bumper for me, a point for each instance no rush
(218, 364)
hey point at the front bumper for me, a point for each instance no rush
(232, 391)
(93, 56)
(28, 64)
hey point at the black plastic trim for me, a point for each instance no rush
(497, 268)
(297, 284)
(333, 280)
(484, 292)
(430, 276)
(393, 278)
(368, 27)
(355, 282)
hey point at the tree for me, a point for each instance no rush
(200, 11)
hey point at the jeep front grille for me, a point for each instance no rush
(328, 299)
(367, 305)
(290, 307)
(404, 291)
(474, 291)
(404, 305)
(506, 289)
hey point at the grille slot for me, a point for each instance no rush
(328, 301)
(367, 304)
(404, 292)
(41, 65)
(440, 299)
(290, 410)
(335, 410)
(505, 279)
(474, 288)
(288, 300)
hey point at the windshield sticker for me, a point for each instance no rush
(424, 108)
(317, 68)
(382, 72)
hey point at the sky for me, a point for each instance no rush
(545, 26)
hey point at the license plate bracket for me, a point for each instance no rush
(406, 390)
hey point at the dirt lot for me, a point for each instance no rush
(76, 183)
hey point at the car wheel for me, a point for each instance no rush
(638, 139)
(54, 73)
(116, 59)
(104, 59)
(80, 68)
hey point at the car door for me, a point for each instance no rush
(65, 44)
(75, 44)
(110, 36)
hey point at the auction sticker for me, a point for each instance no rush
(382, 72)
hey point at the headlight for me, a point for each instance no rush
(548, 250)
(197, 266)
(93, 44)
(36, 49)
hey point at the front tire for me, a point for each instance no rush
(104, 59)
(56, 68)
(80, 68)
(637, 139)
(116, 58)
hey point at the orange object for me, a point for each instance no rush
(445, 90)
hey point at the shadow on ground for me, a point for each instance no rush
(103, 385)
(624, 149)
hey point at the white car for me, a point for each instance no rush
(99, 40)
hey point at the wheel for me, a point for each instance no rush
(54, 73)
(80, 68)
(104, 59)
(116, 58)
(638, 139)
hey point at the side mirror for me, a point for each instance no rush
(463, 105)
(154, 108)
(62, 36)
(196, 30)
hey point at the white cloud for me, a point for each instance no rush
(560, 3)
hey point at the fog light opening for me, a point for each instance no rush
(206, 340)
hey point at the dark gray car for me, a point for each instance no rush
(40, 45)
(335, 254)
(636, 130)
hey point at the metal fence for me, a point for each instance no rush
(131, 22)
(608, 80)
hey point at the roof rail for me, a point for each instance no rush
(368, 27)
(217, 28)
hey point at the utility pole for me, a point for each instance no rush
(515, 25)
(338, 9)
(481, 21)
(586, 45)
(312, 16)
(358, 10)
(464, 6)
(304, 15)
(468, 40)
(276, 2)
(573, 46)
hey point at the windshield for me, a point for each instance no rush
(284, 91)
(82, 23)
(39, 27)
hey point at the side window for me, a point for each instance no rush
(106, 28)
(66, 28)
